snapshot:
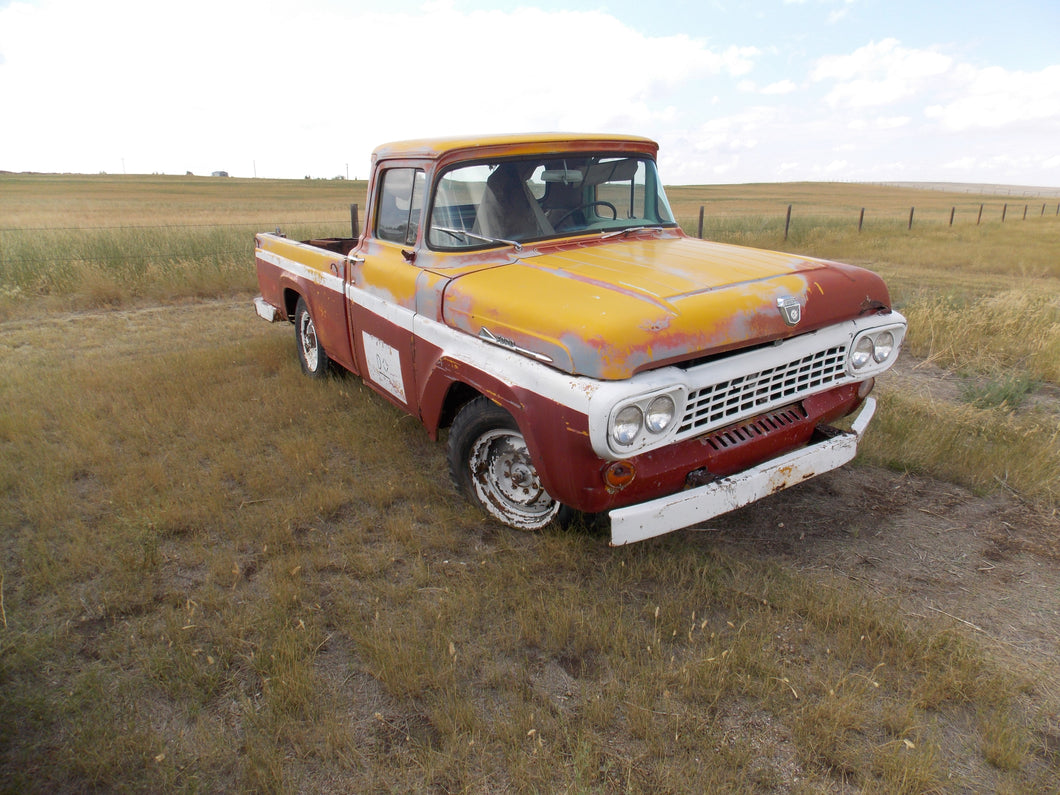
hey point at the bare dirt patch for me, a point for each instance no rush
(989, 565)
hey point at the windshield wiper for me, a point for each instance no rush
(466, 233)
(628, 229)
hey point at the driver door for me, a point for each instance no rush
(382, 285)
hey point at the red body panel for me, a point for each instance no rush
(573, 473)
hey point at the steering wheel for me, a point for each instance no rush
(586, 206)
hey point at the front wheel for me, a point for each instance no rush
(489, 462)
(315, 362)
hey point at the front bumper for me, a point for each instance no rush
(674, 511)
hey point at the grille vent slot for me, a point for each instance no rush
(760, 426)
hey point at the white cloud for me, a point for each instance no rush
(295, 87)
(994, 97)
(880, 123)
(780, 87)
(961, 164)
(880, 73)
(221, 81)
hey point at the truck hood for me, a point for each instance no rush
(609, 309)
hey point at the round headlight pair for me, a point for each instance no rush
(869, 349)
(655, 418)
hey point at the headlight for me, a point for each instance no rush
(660, 414)
(863, 352)
(645, 421)
(874, 350)
(883, 347)
(627, 425)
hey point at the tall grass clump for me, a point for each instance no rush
(1012, 332)
(86, 241)
(124, 262)
(982, 448)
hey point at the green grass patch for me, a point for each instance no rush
(1007, 391)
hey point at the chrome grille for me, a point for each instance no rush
(748, 394)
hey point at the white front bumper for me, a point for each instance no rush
(674, 511)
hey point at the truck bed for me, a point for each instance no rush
(337, 245)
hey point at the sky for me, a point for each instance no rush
(734, 92)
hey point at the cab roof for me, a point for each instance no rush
(512, 144)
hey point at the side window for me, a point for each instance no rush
(400, 205)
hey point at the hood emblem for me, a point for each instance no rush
(790, 309)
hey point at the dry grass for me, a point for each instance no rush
(49, 201)
(1011, 331)
(985, 449)
(220, 576)
(96, 241)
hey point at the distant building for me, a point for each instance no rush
(219, 174)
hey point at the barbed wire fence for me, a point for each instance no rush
(1009, 211)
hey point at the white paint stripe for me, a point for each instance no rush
(324, 279)
(510, 368)
(589, 396)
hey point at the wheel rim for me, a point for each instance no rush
(308, 335)
(506, 481)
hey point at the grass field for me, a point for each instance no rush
(220, 576)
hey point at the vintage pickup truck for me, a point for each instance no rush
(534, 295)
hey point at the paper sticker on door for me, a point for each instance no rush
(384, 366)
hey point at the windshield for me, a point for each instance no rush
(516, 200)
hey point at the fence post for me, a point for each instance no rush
(1004, 212)
(1025, 211)
(980, 218)
(699, 234)
(953, 210)
(787, 223)
(355, 225)
(861, 220)
(1043, 211)
(911, 217)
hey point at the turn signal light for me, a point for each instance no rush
(619, 474)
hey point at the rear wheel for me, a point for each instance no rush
(489, 462)
(315, 362)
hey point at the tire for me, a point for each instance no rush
(489, 462)
(311, 355)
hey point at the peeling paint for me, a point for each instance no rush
(607, 310)
(564, 332)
